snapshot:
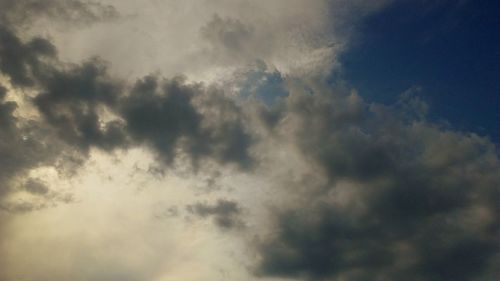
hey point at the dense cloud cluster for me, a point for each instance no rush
(27, 142)
(21, 147)
(20, 61)
(402, 199)
(71, 100)
(84, 107)
(168, 114)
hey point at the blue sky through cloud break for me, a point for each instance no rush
(449, 49)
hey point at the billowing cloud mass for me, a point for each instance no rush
(114, 155)
(397, 198)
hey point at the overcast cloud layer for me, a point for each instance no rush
(205, 140)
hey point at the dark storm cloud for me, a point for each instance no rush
(71, 100)
(403, 200)
(9, 138)
(17, 153)
(224, 212)
(70, 95)
(20, 61)
(25, 145)
(163, 114)
(160, 113)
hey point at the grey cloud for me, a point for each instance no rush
(21, 207)
(26, 206)
(224, 212)
(225, 128)
(164, 114)
(263, 83)
(70, 95)
(9, 138)
(404, 199)
(230, 34)
(36, 187)
(160, 114)
(21, 12)
(83, 107)
(229, 40)
(22, 146)
(26, 145)
(20, 61)
(71, 100)
(75, 100)
(163, 212)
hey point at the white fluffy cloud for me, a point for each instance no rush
(207, 39)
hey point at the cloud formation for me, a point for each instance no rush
(225, 212)
(84, 107)
(333, 187)
(400, 198)
(21, 12)
(23, 145)
(166, 114)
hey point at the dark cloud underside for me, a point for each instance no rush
(82, 106)
(421, 203)
(224, 212)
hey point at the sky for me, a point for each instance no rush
(448, 49)
(283, 140)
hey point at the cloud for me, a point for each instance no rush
(31, 66)
(206, 41)
(74, 99)
(401, 198)
(225, 212)
(74, 108)
(36, 187)
(170, 114)
(359, 191)
(22, 12)
(26, 145)
(20, 61)
(84, 107)
(22, 147)
(229, 35)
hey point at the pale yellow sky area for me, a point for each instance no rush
(120, 225)
(125, 222)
